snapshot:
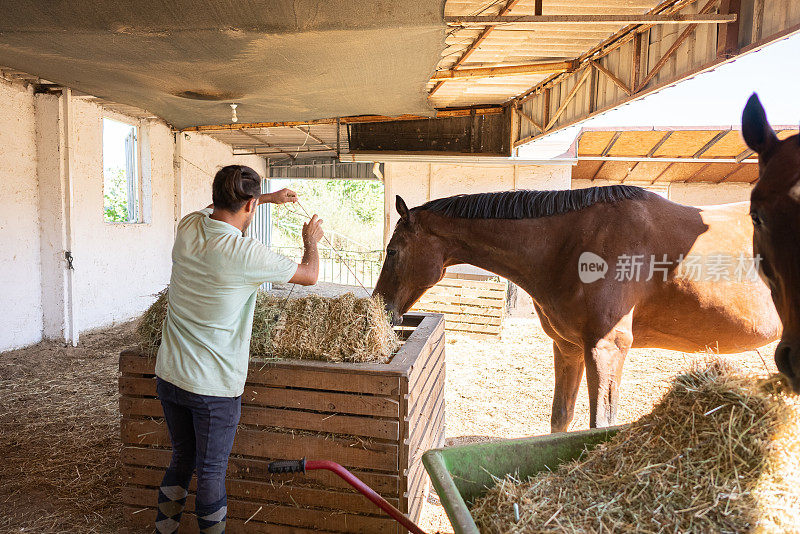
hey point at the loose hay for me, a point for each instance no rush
(335, 329)
(719, 453)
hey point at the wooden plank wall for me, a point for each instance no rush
(472, 306)
(374, 419)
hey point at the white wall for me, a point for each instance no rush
(692, 194)
(200, 157)
(118, 267)
(20, 260)
(419, 182)
(706, 194)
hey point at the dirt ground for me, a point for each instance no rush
(59, 418)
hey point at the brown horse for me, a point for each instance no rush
(608, 268)
(775, 210)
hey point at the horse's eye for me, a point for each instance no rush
(390, 252)
(757, 221)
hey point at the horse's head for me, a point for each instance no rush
(775, 209)
(414, 262)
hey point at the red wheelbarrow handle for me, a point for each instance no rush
(301, 466)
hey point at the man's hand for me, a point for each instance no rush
(278, 197)
(312, 231)
(308, 270)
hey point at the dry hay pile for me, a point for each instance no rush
(719, 453)
(335, 329)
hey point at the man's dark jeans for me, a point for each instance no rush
(201, 429)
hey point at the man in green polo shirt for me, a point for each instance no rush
(202, 361)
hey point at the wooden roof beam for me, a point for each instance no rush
(700, 18)
(264, 143)
(672, 49)
(613, 77)
(714, 140)
(551, 67)
(477, 42)
(568, 99)
(319, 141)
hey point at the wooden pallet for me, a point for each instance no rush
(374, 419)
(472, 306)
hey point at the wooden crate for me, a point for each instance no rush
(469, 305)
(374, 419)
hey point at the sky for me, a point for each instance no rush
(714, 98)
(114, 134)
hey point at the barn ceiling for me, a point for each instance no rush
(187, 60)
(662, 155)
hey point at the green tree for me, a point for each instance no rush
(115, 195)
(352, 211)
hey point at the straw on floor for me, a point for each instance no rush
(335, 329)
(719, 453)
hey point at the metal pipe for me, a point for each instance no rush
(366, 491)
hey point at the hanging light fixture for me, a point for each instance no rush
(234, 117)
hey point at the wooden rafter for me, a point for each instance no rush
(698, 171)
(657, 178)
(441, 114)
(476, 43)
(549, 67)
(307, 131)
(700, 18)
(610, 144)
(613, 77)
(264, 143)
(736, 169)
(529, 119)
(661, 141)
(568, 99)
(672, 49)
(714, 140)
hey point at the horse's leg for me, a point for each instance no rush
(568, 359)
(604, 358)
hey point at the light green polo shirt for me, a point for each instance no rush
(216, 272)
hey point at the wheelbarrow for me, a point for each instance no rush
(301, 466)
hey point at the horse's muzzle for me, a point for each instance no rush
(787, 358)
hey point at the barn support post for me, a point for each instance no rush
(57, 244)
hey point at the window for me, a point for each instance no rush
(122, 186)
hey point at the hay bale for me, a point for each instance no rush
(719, 453)
(334, 329)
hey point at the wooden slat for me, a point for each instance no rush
(349, 501)
(424, 364)
(353, 377)
(467, 292)
(286, 515)
(474, 328)
(438, 307)
(386, 484)
(141, 520)
(322, 401)
(463, 282)
(420, 387)
(465, 318)
(425, 416)
(284, 418)
(266, 444)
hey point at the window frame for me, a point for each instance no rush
(137, 137)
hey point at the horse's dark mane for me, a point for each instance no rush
(528, 204)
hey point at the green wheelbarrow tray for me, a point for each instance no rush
(462, 474)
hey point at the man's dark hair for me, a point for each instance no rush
(234, 186)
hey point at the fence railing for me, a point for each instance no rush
(333, 265)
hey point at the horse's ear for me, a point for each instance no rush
(401, 207)
(757, 132)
